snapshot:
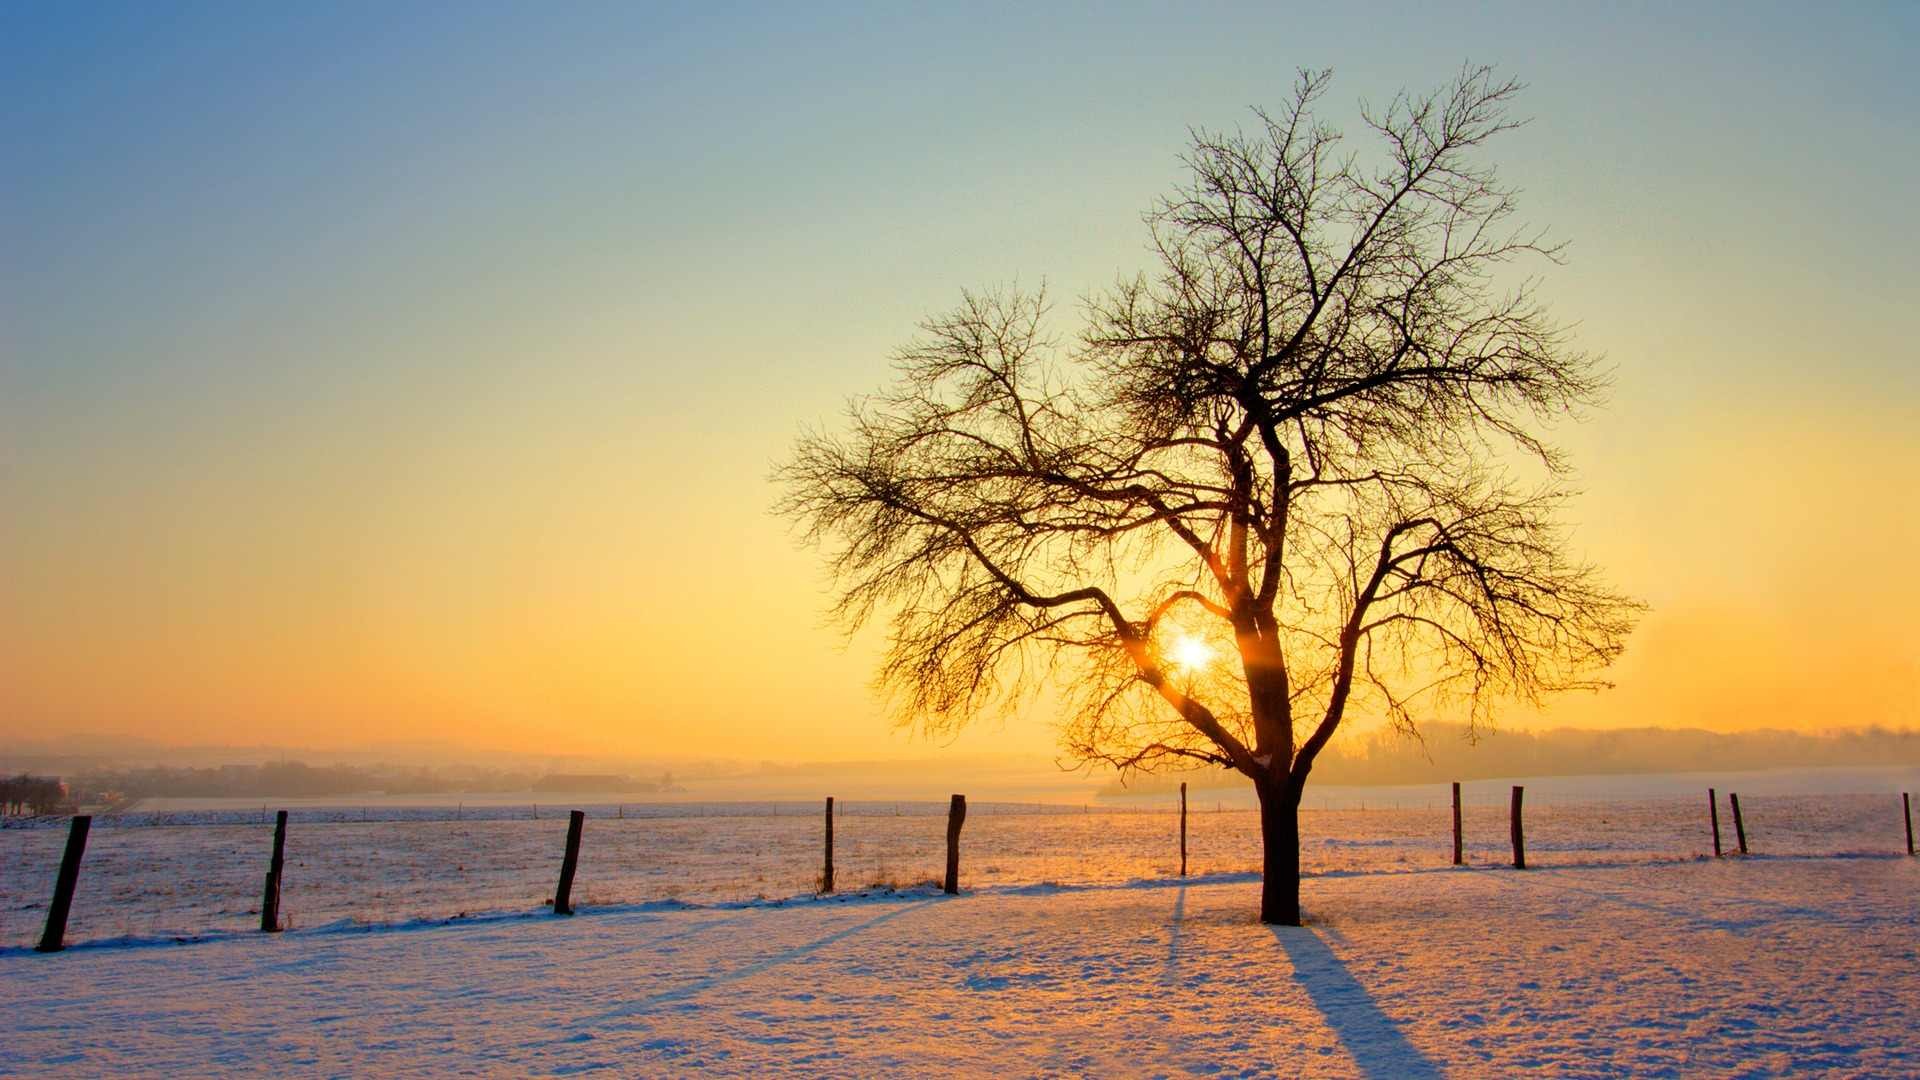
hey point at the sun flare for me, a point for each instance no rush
(1190, 654)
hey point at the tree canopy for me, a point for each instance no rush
(1313, 433)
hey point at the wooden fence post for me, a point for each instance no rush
(1519, 833)
(1739, 826)
(55, 937)
(956, 816)
(270, 899)
(1456, 823)
(1183, 829)
(1906, 810)
(1713, 813)
(826, 879)
(563, 896)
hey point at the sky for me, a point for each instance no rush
(380, 374)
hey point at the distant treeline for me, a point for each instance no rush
(1447, 753)
(28, 794)
(294, 779)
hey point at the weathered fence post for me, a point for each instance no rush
(1739, 826)
(1183, 829)
(1519, 833)
(1713, 814)
(956, 816)
(55, 937)
(1906, 810)
(270, 899)
(563, 896)
(826, 879)
(1456, 823)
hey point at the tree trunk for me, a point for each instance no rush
(1280, 839)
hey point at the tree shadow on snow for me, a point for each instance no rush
(1377, 1046)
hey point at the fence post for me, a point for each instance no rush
(956, 816)
(56, 933)
(1519, 834)
(1456, 823)
(563, 896)
(270, 899)
(1739, 826)
(826, 879)
(1906, 810)
(1713, 814)
(1183, 829)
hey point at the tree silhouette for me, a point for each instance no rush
(29, 794)
(1302, 438)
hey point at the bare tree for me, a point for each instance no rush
(29, 794)
(1300, 441)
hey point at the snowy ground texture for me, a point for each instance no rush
(1768, 965)
(174, 875)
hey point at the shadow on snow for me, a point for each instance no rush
(1378, 1048)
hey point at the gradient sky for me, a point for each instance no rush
(376, 373)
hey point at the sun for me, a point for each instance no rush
(1190, 654)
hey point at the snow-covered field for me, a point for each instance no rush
(1770, 965)
(192, 873)
(420, 945)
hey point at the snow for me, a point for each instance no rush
(420, 947)
(190, 874)
(1757, 966)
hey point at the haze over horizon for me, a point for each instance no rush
(347, 400)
